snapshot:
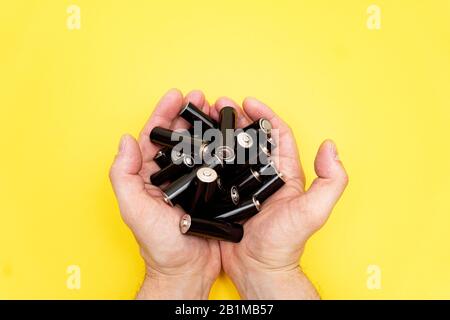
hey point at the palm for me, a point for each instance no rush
(271, 231)
(275, 237)
(160, 232)
(154, 223)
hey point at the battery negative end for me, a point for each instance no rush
(206, 174)
(265, 125)
(257, 203)
(185, 223)
(244, 140)
(225, 153)
(167, 199)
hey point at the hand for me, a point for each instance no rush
(177, 266)
(265, 264)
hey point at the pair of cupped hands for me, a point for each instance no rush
(265, 264)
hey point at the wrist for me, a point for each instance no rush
(189, 286)
(263, 284)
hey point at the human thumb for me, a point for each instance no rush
(124, 171)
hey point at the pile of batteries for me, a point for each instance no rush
(217, 173)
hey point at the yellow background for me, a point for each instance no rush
(382, 95)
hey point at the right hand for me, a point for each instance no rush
(265, 264)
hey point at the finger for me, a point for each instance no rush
(197, 98)
(126, 182)
(165, 112)
(329, 185)
(206, 107)
(242, 119)
(286, 154)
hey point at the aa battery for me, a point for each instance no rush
(182, 140)
(267, 171)
(213, 229)
(244, 145)
(178, 191)
(247, 149)
(261, 124)
(267, 144)
(162, 157)
(176, 156)
(245, 210)
(251, 178)
(225, 199)
(210, 158)
(167, 155)
(269, 187)
(261, 131)
(227, 118)
(227, 124)
(231, 196)
(163, 137)
(248, 181)
(172, 171)
(205, 187)
(194, 115)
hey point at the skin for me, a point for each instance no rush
(265, 264)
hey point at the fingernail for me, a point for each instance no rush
(122, 143)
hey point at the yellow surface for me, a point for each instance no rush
(383, 95)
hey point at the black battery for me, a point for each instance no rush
(249, 154)
(244, 211)
(227, 118)
(178, 191)
(172, 171)
(210, 159)
(205, 188)
(163, 136)
(183, 141)
(261, 131)
(162, 157)
(225, 199)
(213, 229)
(230, 196)
(244, 146)
(261, 124)
(194, 115)
(248, 182)
(267, 144)
(269, 187)
(267, 171)
(252, 178)
(256, 156)
(227, 125)
(176, 156)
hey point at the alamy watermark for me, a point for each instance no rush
(230, 146)
(374, 17)
(73, 21)
(373, 277)
(73, 281)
